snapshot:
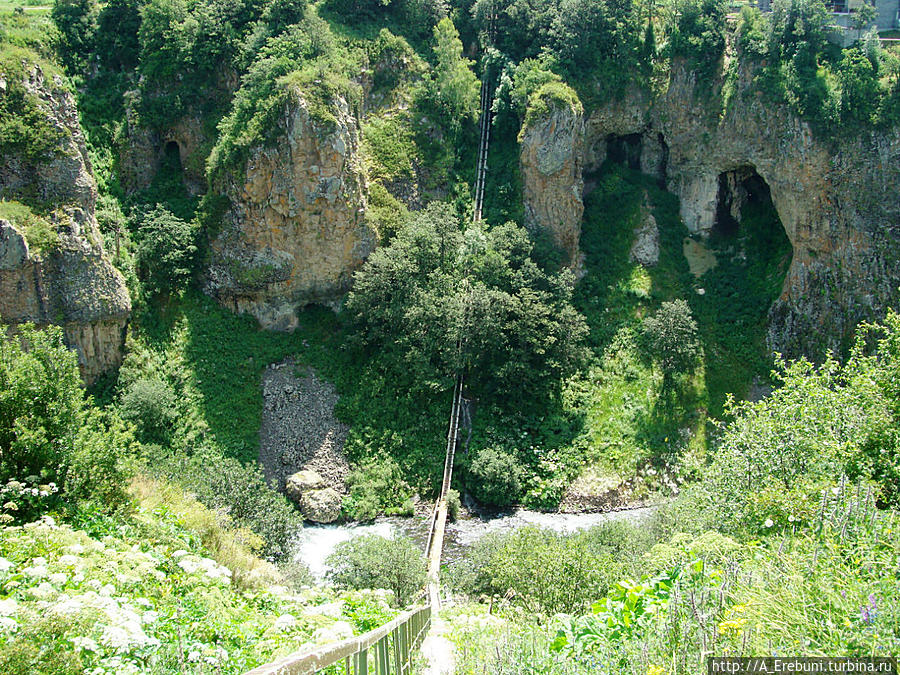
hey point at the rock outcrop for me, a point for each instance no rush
(837, 199)
(296, 230)
(550, 158)
(72, 283)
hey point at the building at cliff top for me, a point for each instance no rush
(887, 17)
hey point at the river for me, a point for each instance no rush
(316, 542)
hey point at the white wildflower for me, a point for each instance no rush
(8, 625)
(36, 572)
(115, 637)
(68, 560)
(59, 578)
(193, 656)
(75, 549)
(150, 616)
(5, 565)
(179, 554)
(8, 607)
(768, 523)
(284, 622)
(86, 643)
(67, 606)
(107, 591)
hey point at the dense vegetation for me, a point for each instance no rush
(138, 532)
(787, 545)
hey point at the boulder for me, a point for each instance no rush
(302, 481)
(317, 502)
(321, 506)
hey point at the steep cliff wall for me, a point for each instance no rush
(837, 198)
(296, 229)
(71, 283)
(551, 155)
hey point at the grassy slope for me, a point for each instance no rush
(628, 421)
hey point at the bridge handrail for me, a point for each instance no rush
(406, 632)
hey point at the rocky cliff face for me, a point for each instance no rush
(72, 283)
(551, 155)
(837, 199)
(296, 229)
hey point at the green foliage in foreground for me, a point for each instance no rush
(821, 421)
(376, 562)
(811, 568)
(145, 595)
(50, 435)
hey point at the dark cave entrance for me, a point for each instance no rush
(171, 159)
(744, 194)
(645, 152)
(625, 150)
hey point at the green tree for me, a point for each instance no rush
(863, 17)
(860, 89)
(454, 85)
(699, 33)
(48, 433)
(672, 340)
(117, 34)
(77, 24)
(439, 300)
(371, 561)
(165, 252)
(495, 477)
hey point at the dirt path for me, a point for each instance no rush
(437, 650)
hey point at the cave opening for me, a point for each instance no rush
(625, 150)
(743, 194)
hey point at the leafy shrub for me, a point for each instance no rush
(376, 487)
(165, 252)
(495, 477)
(150, 406)
(777, 455)
(238, 490)
(671, 338)
(543, 571)
(371, 561)
(453, 504)
(47, 432)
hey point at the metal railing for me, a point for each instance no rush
(384, 650)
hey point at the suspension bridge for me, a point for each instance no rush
(392, 647)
